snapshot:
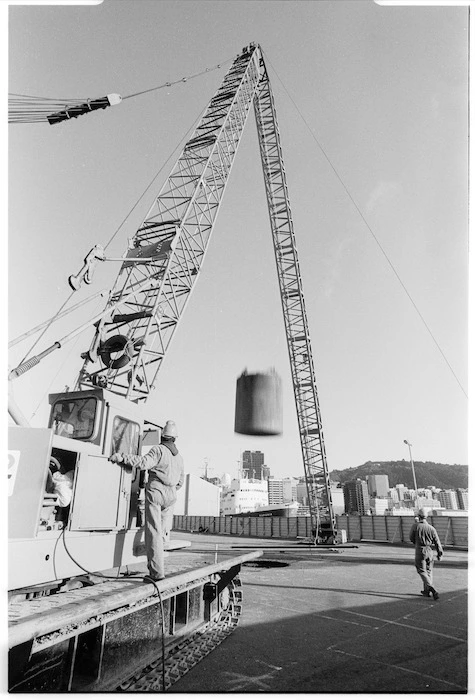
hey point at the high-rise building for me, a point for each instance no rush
(423, 502)
(462, 498)
(290, 489)
(379, 506)
(401, 490)
(282, 490)
(302, 493)
(253, 466)
(276, 490)
(448, 499)
(338, 499)
(378, 485)
(393, 494)
(356, 497)
(336, 490)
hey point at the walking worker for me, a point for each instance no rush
(165, 475)
(424, 536)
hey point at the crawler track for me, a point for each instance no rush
(124, 635)
(178, 660)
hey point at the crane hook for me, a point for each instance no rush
(86, 271)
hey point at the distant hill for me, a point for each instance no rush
(443, 476)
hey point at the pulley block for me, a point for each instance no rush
(119, 346)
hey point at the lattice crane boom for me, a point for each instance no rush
(172, 240)
(149, 297)
(293, 307)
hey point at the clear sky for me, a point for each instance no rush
(383, 90)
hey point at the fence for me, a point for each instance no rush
(381, 528)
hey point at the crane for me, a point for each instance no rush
(165, 257)
(102, 531)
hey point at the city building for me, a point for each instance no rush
(197, 497)
(378, 485)
(338, 498)
(301, 491)
(462, 498)
(243, 496)
(290, 489)
(253, 466)
(401, 510)
(282, 490)
(449, 513)
(402, 491)
(356, 497)
(394, 495)
(430, 503)
(448, 499)
(378, 506)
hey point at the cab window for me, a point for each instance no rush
(125, 436)
(75, 418)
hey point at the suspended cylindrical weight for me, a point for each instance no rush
(258, 404)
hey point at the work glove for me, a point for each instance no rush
(439, 557)
(116, 458)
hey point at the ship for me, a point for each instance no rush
(278, 510)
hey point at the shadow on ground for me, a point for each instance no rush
(409, 644)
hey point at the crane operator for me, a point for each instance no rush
(165, 475)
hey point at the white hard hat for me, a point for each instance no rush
(170, 431)
(423, 512)
(53, 462)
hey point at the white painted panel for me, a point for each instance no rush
(98, 499)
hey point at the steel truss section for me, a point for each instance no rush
(148, 299)
(293, 306)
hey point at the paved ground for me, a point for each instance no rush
(351, 620)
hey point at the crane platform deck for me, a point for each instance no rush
(116, 633)
(339, 620)
(43, 616)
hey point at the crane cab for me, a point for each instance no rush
(99, 423)
(70, 508)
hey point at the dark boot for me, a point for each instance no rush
(435, 595)
(426, 593)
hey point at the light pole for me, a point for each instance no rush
(413, 472)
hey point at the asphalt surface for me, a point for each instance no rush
(346, 621)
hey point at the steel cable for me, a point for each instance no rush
(60, 310)
(29, 109)
(363, 218)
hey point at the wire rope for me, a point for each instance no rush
(366, 223)
(120, 579)
(154, 178)
(50, 384)
(36, 329)
(46, 328)
(29, 109)
(181, 80)
(48, 104)
(60, 310)
(126, 577)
